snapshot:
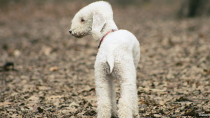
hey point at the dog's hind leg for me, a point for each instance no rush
(135, 106)
(127, 76)
(102, 90)
(113, 96)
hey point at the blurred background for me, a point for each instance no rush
(34, 21)
(51, 73)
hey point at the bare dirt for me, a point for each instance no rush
(53, 73)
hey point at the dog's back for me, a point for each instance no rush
(119, 47)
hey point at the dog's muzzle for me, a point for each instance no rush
(79, 35)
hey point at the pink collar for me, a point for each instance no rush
(113, 30)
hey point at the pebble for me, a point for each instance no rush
(11, 110)
(157, 115)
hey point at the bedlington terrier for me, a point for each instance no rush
(117, 58)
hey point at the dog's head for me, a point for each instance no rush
(91, 18)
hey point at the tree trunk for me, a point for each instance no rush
(193, 8)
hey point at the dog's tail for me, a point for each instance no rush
(110, 56)
(110, 60)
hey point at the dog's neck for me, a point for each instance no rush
(110, 24)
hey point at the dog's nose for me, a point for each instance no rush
(70, 31)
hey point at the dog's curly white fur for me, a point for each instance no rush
(118, 57)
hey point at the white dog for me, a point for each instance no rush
(118, 57)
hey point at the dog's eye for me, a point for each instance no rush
(82, 20)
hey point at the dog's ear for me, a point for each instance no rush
(98, 22)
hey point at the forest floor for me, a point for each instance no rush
(53, 73)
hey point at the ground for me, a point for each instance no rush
(53, 73)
